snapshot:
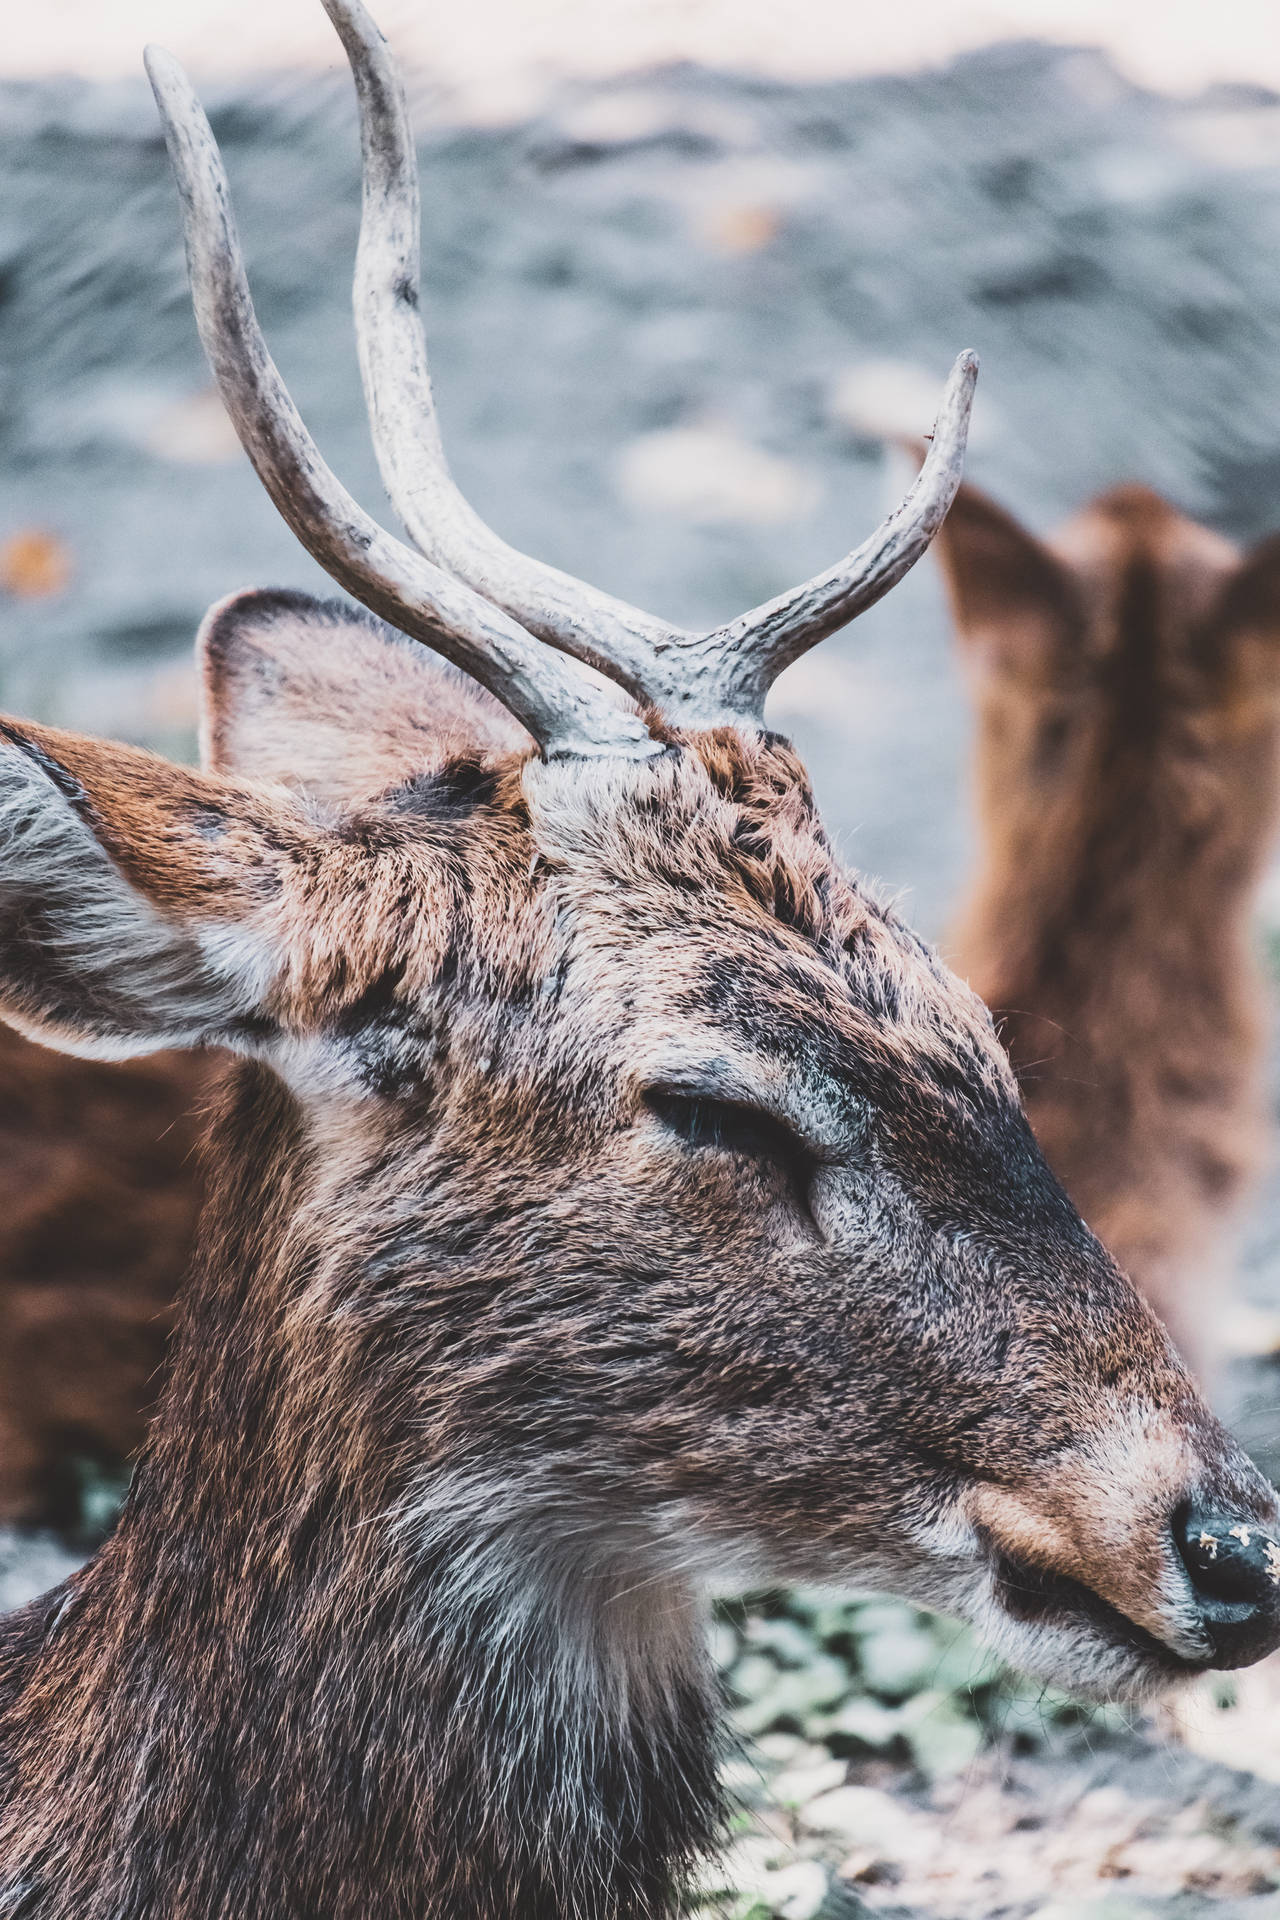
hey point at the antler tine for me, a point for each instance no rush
(756, 646)
(698, 679)
(620, 640)
(563, 710)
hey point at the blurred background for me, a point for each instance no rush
(687, 262)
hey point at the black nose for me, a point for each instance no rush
(1234, 1567)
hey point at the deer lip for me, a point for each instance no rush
(1034, 1595)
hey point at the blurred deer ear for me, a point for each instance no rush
(1011, 596)
(129, 897)
(326, 699)
(1250, 600)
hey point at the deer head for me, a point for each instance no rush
(616, 1200)
(1127, 678)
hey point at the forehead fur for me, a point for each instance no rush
(720, 845)
(700, 882)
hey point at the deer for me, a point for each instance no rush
(98, 1200)
(610, 1200)
(1127, 783)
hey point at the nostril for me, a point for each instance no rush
(1228, 1558)
(1234, 1568)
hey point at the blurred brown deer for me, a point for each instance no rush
(1127, 678)
(611, 1198)
(99, 1190)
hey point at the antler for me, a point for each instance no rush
(699, 679)
(564, 710)
(466, 596)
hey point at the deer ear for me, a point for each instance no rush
(1012, 598)
(128, 890)
(324, 698)
(1250, 600)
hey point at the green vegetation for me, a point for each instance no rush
(824, 1691)
(878, 1677)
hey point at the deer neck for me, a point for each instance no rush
(1129, 912)
(311, 1673)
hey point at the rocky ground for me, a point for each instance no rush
(670, 318)
(890, 1767)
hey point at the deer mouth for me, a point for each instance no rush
(1037, 1597)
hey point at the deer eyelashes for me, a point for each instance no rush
(708, 1124)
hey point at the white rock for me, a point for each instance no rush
(800, 1785)
(195, 431)
(796, 1892)
(862, 1814)
(711, 475)
(31, 1563)
(893, 399)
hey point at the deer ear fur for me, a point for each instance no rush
(326, 699)
(127, 896)
(1011, 596)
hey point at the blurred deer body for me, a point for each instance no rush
(610, 1198)
(98, 1201)
(1127, 674)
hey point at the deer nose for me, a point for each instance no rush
(1233, 1565)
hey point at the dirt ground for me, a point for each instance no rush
(1112, 1829)
(670, 319)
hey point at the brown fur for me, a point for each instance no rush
(498, 1352)
(1127, 674)
(98, 1199)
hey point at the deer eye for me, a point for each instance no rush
(730, 1126)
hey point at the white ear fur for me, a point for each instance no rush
(87, 963)
(322, 697)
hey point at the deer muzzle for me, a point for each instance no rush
(1160, 1546)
